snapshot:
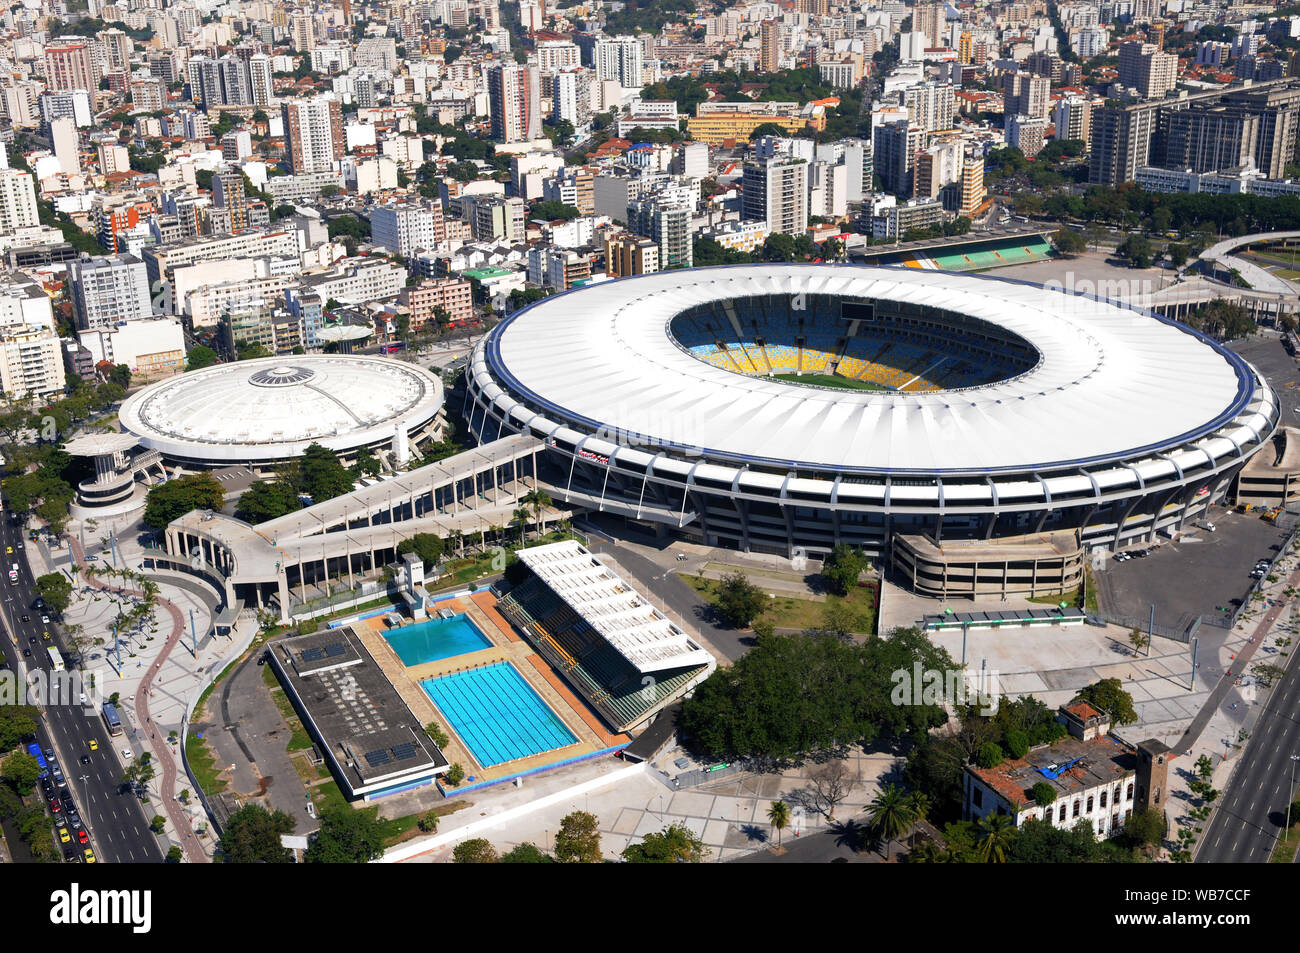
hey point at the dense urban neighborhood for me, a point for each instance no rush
(650, 431)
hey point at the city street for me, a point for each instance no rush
(116, 820)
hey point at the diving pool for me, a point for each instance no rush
(436, 639)
(497, 714)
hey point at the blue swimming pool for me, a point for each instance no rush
(497, 714)
(436, 639)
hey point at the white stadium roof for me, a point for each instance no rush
(273, 408)
(1111, 381)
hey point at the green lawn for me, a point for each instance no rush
(203, 764)
(788, 612)
(1284, 852)
(829, 380)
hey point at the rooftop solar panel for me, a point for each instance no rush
(377, 757)
(334, 649)
(312, 655)
(403, 751)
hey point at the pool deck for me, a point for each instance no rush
(507, 646)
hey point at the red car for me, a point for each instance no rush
(82, 838)
(55, 806)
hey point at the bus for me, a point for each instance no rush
(111, 721)
(13, 575)
(394, 347)
(34, 750)
(56, 660)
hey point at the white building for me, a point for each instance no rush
(109, 289)
(407, 228)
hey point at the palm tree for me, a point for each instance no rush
(919, 805)
(778, 815)
(890, 815)
(996, 833)
(457, 539)
(538, 500)
(929, 853)
(521, 517)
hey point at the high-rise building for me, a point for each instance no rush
(572, 98)
(236, 90)
(407, 228)
(555, 55)
(776, 192)
(1209, 139)
(496, 218)
(1072, 117)
(108, 289)
(895, 145)
(930, 105)
(514, 94)
(1026, 95)
(619, 59)
(228, 193)
(313, 133)
(972, 185)
(67, 145)
(1142, 66)
(17, 201)
(937, 166)
(1121, 143)
(668, 226)
(71, 66)
(769, 46)
(627, 254)
(302, 32)
(259, 80)
(117, 49)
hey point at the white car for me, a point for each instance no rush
(45, 620)
(126, 753)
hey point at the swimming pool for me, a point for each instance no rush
(436, 639)
(497, 714)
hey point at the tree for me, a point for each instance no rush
(539, 500)
(1139, 640)
(1137, 249)
(778, 815)
(996, 831)
(265, 500)
(527, 853)
(1109, 695)
(55, 589)
(428, 822)
(673, 845)
(173, 499)
(832, 783)
(200, 356)
(22, 771)
(455, 774)
(1068, 242)
(990, 755)
(476, 850)
(174, 854)
(426, 546)
(347, 836)
(761, 705)
(551, 211)
(436, 734)
(739, 600)
(158, 824)
(320, 475)
(890, 816)
(1145, 827)
(768, 129)
(578, 839)
(1042, 793)
(139, 772)
(842, 568)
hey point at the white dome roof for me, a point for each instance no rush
(272, 409)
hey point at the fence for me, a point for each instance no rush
(1179, 631)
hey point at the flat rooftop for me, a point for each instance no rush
(1037, 546)
(371, 737)
(1070, 766)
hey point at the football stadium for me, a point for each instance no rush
(976, 433)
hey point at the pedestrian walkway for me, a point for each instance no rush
(165, 755)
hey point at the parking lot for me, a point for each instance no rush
(1265, 351)
(1192, 576)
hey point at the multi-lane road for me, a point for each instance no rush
(1252, 812)
(119, 830)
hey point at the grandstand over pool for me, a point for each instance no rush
(620, 652)
(710, 400)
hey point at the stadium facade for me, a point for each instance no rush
(787, 408)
